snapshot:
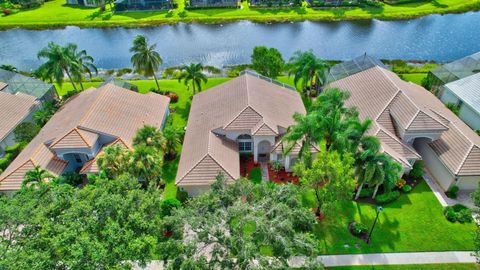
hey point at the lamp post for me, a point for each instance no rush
(379, 209)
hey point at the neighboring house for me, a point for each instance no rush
(14, 109)
(413, 124)
(78, 131)
(87, 3)
(123, 5)
(465, 93)
(247, 115)
(453, 71)
(12, 82)
(211, 3)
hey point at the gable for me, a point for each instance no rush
(471, 165)
(203, 173)
(423, 121)
(246, 120)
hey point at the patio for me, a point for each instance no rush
(247, 164)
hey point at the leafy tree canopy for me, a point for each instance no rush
(25, 132)
(267, 61)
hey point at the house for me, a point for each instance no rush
(123, 5)
(87, 3)
(465, 93)
(245, 116)
(15, 109)
(413, 124)
(211, 3)
(12, 82)
(78, 131)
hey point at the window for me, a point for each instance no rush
(245, 146)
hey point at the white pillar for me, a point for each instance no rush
(287, 162)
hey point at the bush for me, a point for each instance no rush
(407, 188)
(366, 192)
(359, 229)
(452, 192)
(458, 213)
(276, 165)
(71, 178)
(401, 183)
(387, 197)
(5, 161)
(7, 12)
(173, 97)
(26, 131)
(182, 196)
(168, 205)
(15, 149)
(417, 170)
(256, 175)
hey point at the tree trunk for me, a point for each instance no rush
(193, 84)
(318, 212)
(81, 84)
(71, 80)
(375, 191)
(156, 81)
(358, 191)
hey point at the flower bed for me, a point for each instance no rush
(246, 165)
(281, 176)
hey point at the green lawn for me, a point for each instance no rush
(414, 77)
(448, 266)
(414, 222)
(57, 14)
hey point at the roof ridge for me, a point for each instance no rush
(464, 159)
(411, 120)
(388, 104)
(397, 140)
(30, 159)
(81, 136)
(191, 169)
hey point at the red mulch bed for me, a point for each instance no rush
(281, 176)
(246, 165)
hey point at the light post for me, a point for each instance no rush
(379, 209)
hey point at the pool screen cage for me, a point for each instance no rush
(456, 70)
(356, 65)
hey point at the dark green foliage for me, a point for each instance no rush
(407, 188)
(452, 192)
(458, 213)
(359, 228)
(387, 197)
(256, 175)
(366, 192)
(417, 170)
(15, 149)
(28, 3)
(168, 205)
(476, 201)
(70, 178)
(455, 108)
(267, 61)
(182, 196)
(26, 131)
(5, 161)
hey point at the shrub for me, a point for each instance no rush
(458, 213)
(26, 131)
(387, 197)
(182, 196)
(401, 183)
(5, 161)
(168, 205)
(276, 165)
(407, 188)
(366, 192)
(173, 97)
(71, 178)
(452, 192)
(256, 175)
(359, 228)
(417, 170)
(7, 12)
(15, 149)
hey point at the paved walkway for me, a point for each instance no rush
(392, 258)
(264, 167)
(463, 197)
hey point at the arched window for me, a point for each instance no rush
(245, 143)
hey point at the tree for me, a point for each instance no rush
(9, 68)
(309, 70)
(145, 59)
(241, 226)
(150, 136)
(476, 201)
(114, 161)
(146, 163)
(37, 176)
(173, 137)
(267, 61)
(25, 132)
(104, 225)
(193, 73)
(331, 177)
(42, 116)
(59, 62)
(83, 63)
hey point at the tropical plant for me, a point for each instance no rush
(114, 160)
(37, 176)
(193, 73)
(173, 141)
(59, 62)
(145, 59)
(150, 136)
(309, 70)
(267, 61)
(42, 116)
(331, 177)
(25, 132)
(146, 163)
(83, 63)
(9, 68)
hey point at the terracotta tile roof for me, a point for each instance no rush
(91, 166)
(246, 103)
(381, 95)
(108, 110)
(14, 108)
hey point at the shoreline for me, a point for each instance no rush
(265, 15)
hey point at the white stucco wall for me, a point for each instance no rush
(442, 175)
(468, 182)
(195, 190)
(259, 139)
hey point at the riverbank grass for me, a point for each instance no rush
(57, 13)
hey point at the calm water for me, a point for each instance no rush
(434, 37)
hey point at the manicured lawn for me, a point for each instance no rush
(414, 77)
(414, 222)
(57, 14)
(448, 266)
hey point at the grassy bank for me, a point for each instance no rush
(56, 13)
(448, 266)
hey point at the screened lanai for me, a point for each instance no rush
(456, 70)
(348, 68)
(16, 82)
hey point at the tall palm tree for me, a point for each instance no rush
(59, 62)
(193, 73)
(309, 70)
(173, 138)
(150, 136)
(368, 168)
(146, 163)
(145, 59)
(114, 160)
(83, 63)
(36, 176)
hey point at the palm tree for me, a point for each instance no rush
(83, 63)
(114, 160)
(173, 137)
(9, 68)
(193, 73)
(368, 168)
(150, 136)
(146, 163)
(36, 176)
(145, 59)
(308, 69)
(41, 117)
(59, 62)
